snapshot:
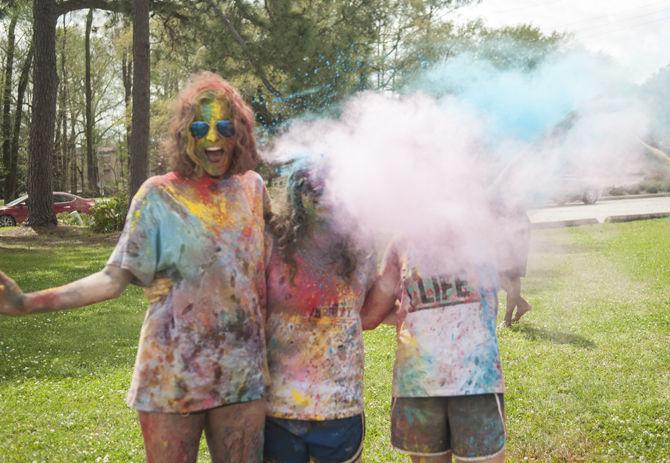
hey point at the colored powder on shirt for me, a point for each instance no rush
(447, 344)
(198, 247)
(315, 345)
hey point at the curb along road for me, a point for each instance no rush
(608, 210)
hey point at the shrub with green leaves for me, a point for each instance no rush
(109, 215)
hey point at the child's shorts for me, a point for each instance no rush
(470, 426)
(299, 441)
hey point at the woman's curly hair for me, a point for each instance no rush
(290, 228)
(245, 156)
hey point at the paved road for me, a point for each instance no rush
(609, 210)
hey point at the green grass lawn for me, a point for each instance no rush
(587, 371)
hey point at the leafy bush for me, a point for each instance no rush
(651, 187)
(646, 186)
(656, 185)
(109, 215)
(617, 191)
(633, 189)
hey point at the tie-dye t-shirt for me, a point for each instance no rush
(315, 346)
(198, 247)
(446, 338)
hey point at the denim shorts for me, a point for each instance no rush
(300, 441)
(470, 426)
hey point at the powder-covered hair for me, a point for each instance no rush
(245, 156)
(292, 227)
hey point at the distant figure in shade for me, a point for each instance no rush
(317, 281)
(513, 259)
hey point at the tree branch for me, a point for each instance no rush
(238, 38)
(119, 6)
(254, 18)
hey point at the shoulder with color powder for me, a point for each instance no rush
(155, 183)
(254, 187)
(251, 177)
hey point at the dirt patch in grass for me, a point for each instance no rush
(63, 235)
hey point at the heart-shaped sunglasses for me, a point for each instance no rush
(201, 128)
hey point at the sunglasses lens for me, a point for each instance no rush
(199, 129)
(225, 127)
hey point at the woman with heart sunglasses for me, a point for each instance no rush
(194, 239)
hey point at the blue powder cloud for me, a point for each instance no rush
(525, 102)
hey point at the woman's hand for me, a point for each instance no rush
(11, 297)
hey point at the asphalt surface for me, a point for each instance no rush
(607, 210)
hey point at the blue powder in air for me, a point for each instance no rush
(522, 102)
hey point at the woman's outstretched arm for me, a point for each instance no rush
(108, 283)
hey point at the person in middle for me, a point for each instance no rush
(317, 282)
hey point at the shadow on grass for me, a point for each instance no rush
(557, 337)
(543, 279)
(27, 237)
(561, 249)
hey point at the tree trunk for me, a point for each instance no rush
(6, 101)
(91, 164)
(139, 136)
(127, 71)
(40, 146)
(62, 128)
(73, 159)
(11, 184)
(58, 143)
(57, 160)
(59, 172)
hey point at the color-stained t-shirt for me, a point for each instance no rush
(446, 336)
(198, 248)
(315, 345)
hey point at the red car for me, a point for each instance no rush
(17, 211)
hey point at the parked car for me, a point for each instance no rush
(16, 211)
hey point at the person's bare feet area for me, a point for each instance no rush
(508, 319)
(521, 309)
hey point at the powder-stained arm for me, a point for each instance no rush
(381, 298)
(108, 283)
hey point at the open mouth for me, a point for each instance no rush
(215, 154)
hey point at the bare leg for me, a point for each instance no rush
(522, 307)
(171, 437)
(446, 458)
(512, 287)
(235, 432)
(498, 458)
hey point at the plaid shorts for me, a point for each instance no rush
(470, 426)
